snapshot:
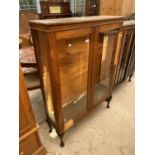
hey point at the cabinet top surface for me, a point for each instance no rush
(72, 20)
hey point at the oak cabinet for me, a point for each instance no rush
(77, 58)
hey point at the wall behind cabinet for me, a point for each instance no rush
(117, 7)
(128, 7)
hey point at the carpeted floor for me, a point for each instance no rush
(102, 132)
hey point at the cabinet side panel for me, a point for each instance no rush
(40, 45)
(46, 72)
(55, 77)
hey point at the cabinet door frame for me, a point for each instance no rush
(103, 29)
(70, 34)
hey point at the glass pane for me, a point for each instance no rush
(104, 58)
(73, 61)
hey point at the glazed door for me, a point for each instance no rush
(74, 55)
(105, 49)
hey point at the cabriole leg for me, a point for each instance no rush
(108, 101)
(49, 124)
(61, 140)
(130, 77)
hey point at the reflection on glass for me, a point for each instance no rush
(48, 95)
(73, 63)
(103, 65)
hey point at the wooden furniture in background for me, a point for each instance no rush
(91, 7)
(117, 7)
(24, 17)
(77, 58)
(29, 141)
(26, 52)
(27, 57)
(54, 9)
(126, 63)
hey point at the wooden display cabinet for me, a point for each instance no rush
(77, 58)
(126, 62)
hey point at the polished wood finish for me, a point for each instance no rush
(72, 55)
(126, 64)
(45, 9)
(29, 142)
